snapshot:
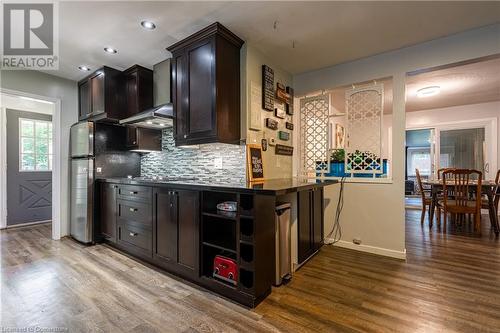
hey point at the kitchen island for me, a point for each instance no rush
(174, 224)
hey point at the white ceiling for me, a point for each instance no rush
(325, 33)
(461, 84)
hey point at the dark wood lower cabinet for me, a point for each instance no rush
(135, 235)
(310, 223)
(176, 230)
(182, 231)
(107, 214)
(188, 212)
(165, 226)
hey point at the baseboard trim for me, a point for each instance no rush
(370, 249)
(20, 225)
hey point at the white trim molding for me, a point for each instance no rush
(3, 167)
(56, 168)
(370, 249)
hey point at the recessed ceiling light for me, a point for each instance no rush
(148, 25)
(110, 50)
(428, 91)
(84, 68)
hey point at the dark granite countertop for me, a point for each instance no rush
(271, 186)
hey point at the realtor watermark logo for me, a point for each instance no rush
(30, 35)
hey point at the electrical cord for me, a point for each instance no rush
(337, 228)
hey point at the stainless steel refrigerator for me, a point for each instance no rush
(98, 150)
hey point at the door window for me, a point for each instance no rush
(462, 148)
(35, 145)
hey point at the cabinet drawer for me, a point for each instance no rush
(135, 193)
(133, 211)
(135, 235)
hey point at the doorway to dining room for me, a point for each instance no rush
(452, 115)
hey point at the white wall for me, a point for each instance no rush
(375, 212)
(42, 84)
(275, 166)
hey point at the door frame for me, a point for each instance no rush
(491, 135)
(56, 167)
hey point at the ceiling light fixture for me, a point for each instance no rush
(84, 68)
(429, 91)
(110, 50)
(148, 25)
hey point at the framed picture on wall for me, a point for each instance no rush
(255, 165)
(339, 136)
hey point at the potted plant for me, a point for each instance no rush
(337, 163)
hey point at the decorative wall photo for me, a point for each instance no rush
(339, 136)
(255, 165)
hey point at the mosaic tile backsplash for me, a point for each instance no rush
(202, 162)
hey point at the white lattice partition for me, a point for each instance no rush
(364, 107)
(314, 115)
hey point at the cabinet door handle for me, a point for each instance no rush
(133, 209)
(133, 234)
(133, 192)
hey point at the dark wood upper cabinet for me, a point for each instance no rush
(206, 87)
(138, 89)
(146, 139)
(100, 96)
(84, 107)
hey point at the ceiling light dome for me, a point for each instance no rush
(110, 50)
(148, 25)
(429, 91)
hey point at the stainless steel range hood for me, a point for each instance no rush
(157, 117)
(162, 114)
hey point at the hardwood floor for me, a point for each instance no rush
(450, 283)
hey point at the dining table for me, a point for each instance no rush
(488, 188)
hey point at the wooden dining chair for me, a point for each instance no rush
(440, 172)
(458, 184)
(426, 199)
(496, 195)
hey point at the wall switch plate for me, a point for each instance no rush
(98, 170)
(271, 141)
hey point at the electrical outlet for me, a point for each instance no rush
(98, 170)
(356, 241)
(218, 162)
